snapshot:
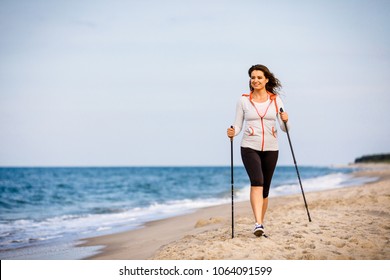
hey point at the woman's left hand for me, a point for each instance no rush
(284, 116)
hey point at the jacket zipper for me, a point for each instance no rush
(262, 128)
(262, 122)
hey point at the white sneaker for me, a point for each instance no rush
(258, 230)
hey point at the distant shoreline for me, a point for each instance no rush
(377, 158)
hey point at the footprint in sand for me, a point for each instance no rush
(308, 246)
(354, 240)
(203, 223)
(307, 256)
(346, 237)
(386, 227)
(340, 244)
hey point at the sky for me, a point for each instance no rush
(140, 83)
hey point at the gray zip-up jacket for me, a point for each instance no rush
(260, 131)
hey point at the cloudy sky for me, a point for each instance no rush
(124, 83)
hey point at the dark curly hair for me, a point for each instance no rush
(273, 84)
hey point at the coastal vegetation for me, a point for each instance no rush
(379, 158)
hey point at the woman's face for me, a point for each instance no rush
(258, 80)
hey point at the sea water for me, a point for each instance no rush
(41, 206)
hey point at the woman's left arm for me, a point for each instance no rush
(282, 116)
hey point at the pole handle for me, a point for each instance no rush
(231, 138)
(281, 111)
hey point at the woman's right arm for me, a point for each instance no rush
(231, 132)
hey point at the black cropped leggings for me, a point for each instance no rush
(260, 167)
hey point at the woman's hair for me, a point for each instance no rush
(273, 84)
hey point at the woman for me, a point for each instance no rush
(259, 147)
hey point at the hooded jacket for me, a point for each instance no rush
(260, 131)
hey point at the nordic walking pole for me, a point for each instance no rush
(296, 167)
(232, 181)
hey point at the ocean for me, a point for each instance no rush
(44, 206)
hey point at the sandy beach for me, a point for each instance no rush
(350, 223)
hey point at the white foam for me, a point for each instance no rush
(327, 182)
(24, 230)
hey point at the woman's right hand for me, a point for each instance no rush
(231, 132)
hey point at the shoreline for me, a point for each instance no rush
(206, 233)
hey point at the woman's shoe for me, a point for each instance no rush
(258, 230)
